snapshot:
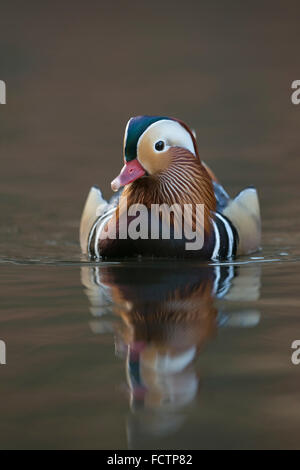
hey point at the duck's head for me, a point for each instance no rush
(150, 145)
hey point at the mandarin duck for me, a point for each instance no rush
(163, 169)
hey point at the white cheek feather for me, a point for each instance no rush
(170, 132)
(125, 135)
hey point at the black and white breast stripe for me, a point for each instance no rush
(226, 238)
(99, 224)
(225, 235)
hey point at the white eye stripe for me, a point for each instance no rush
(171, 133)
(126, 134)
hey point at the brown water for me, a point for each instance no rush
(146, 355)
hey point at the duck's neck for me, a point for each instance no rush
(185, 181)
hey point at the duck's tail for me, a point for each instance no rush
(243, 211)
(93, 208)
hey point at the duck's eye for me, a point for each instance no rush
(160, 145)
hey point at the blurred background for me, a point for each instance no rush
(77, 71)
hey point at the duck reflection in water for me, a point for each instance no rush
(161, 316)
